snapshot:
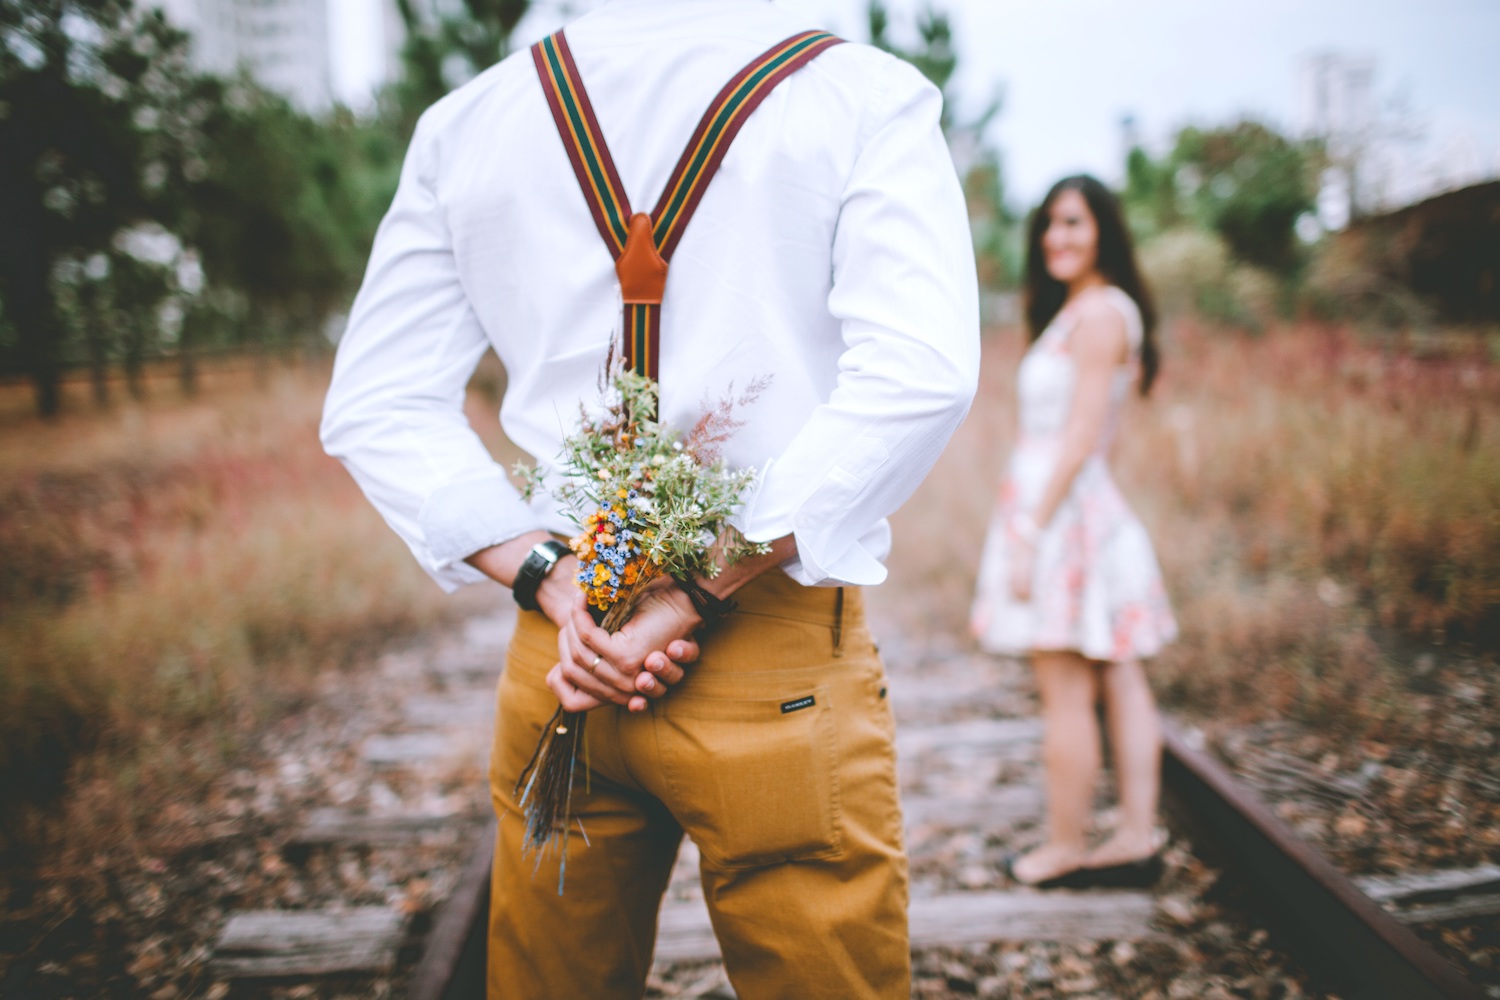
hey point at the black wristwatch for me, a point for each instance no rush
(540, 561)
(711, 609)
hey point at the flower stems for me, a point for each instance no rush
(545, 786)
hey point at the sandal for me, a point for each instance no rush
(1074, 878)
(1142, 873)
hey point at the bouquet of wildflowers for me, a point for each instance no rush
(653, 503)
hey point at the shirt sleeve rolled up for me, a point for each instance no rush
(394, 412)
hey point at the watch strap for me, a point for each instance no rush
(540, 561)
(710, 608)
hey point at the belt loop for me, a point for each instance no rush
(838, 623)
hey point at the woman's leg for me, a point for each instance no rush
(1135, 741)
(1069, 689)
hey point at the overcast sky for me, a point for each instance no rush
(1072, 68)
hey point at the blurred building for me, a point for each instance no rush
(1336, 97)
(1381, 158)
(282, 44)
(1336, 105)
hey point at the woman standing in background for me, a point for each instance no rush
(1069, 577)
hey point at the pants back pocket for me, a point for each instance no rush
(754, 781)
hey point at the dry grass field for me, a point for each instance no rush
(173, 574)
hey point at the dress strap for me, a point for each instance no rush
(642, 244)
(1125, 305)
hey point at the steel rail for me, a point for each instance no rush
(1319, 909)
(453, 959)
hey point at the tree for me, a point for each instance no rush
(1245, 181)
(437, 57)
(994, 225)
(68, 152)
(107, 132)
(934, 57)
(1150, 195)
(99, 132)
(273, 215)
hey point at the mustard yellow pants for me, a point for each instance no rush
(776, 755)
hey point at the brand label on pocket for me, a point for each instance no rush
(797, 703)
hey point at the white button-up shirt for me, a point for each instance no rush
(831, 252)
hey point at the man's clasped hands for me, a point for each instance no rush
(647, 655)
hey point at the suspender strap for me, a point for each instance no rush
(718, 127)
(583, 140)
(642, 244)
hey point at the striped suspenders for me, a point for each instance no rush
(642, 244)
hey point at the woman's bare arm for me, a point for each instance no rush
(1099, 345)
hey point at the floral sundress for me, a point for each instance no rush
(1098, 588)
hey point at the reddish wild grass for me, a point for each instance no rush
(1320, 507)
(174, 574)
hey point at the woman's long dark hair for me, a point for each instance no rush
(1116, 262)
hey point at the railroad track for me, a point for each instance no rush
(1357, 942)
(970, 788)
(1335, 921)
(1332, 922)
